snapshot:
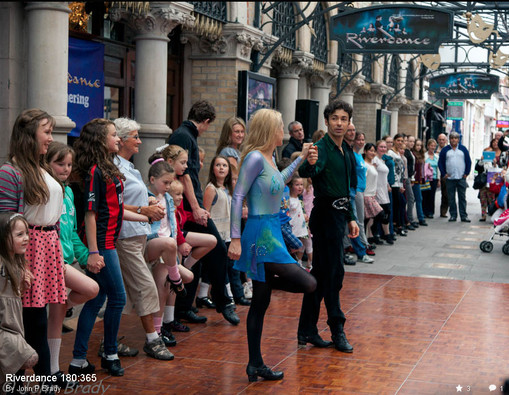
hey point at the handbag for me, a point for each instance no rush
(426, 186)
(480, 180)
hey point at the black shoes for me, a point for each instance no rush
(167, 335)
(177, 326)
(466, 219)
(452, 219)
(112, 366)
(263, 372)
(242, 301)
(177, 287)
(191, 316)
(389, 239)
(205, 302)
(230, 315)
(423, 223)
(315, 340)
(341, 343)
(89, 369)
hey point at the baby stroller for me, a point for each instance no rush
(500, 218)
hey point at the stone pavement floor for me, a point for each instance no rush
(447, 250)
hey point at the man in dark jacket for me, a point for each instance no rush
(201, 115)
(296, 139)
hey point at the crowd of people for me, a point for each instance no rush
(84, 219)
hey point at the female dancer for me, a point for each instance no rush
(261, 251)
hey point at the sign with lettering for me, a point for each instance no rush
(392, 28)
(455, 110)
(464, 85)
(85, 77)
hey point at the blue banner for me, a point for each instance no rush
(85, 98)
(466, 85)
(392, 28)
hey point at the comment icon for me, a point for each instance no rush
(492, 387)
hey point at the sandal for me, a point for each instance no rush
(177, 286)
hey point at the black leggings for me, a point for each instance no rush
(290, 278)
(36, 334)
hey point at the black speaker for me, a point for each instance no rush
(306, 112)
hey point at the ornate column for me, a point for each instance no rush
(409, 116)
(47, 60)
(288, 86)
(151, 69)
(394, 107)
(353, 86)
(321, 83)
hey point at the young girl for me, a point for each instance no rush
(201, 243)
(83, 288)
(299, 220)
(217, 201)
(104, 212)
(28, 187)
(161, 243)
(15, 278)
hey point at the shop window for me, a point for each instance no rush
(112, 98)
(367, 67)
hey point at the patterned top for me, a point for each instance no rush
(263, 186)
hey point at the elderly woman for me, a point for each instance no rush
(132, 241)
(232, 136)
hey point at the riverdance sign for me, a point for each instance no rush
(464, 86)
(392, 29)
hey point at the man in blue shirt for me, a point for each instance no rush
(455, 163)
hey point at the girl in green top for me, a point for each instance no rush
(83, 288)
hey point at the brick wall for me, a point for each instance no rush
(408, 124)
(215, 80)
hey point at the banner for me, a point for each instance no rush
(85, 96)
(395, 28)
(464, 85)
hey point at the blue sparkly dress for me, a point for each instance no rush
(261, 240)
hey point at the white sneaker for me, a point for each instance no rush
(248, 293)
(366, 259)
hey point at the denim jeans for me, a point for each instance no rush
(418, 201)
(111, 286)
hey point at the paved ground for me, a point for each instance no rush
(444, 250)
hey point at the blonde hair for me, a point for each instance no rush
(176, 184)
(172, 152)
(225, 139)
(263, 129)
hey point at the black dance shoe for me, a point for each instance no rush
(243, 301)
(263, 372)
(190, 316)
(112, 366)
(315, 340)
(341, 343)
(89, 369)
(230, 315)
(205, 302)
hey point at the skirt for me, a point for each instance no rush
(262, 241)
(371, 207)
(45, 261)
